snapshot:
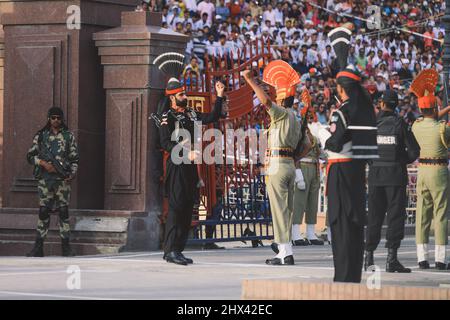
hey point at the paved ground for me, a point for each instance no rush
(215, 275)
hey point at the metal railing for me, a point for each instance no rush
(243, 213)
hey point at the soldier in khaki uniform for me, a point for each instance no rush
(306, 189)
(433, 137)
(284, 135)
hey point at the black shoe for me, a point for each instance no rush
(211, 246)
(300, 242)
(315, 242)
(368, 260)
(424, 265)
(174, 257)
(289, 260)
(440, 266)
(38, 249)
(392, 263)
(274, 247)
(66, 250)
(188, 260)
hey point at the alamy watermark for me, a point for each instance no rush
(374, 19)
(73, 21)
(232, 147)
(73, 282)
(374, 277)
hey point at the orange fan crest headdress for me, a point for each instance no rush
(282, 77)
(424, 86)
(307, 107)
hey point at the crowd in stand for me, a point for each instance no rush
(389, 51)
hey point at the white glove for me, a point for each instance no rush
(299, 180)
(320, 132)
(314, 128)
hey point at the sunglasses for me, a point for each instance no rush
(55, 118)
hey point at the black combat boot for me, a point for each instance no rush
(393, 265)
(66, 250)
(368, 260)
(38, 249)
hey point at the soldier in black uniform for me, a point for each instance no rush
(350, 142)
(388, 178)
(181, 178)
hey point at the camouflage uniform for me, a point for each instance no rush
(54, 192)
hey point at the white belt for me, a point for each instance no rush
(361, 128)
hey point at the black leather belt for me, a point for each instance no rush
(434, 161)
(280, 153)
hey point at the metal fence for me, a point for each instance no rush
(243, 213)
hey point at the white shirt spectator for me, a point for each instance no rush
(220, 50)
(191, 5)
(279, 16)
(376, 61)
(343, 7)
(397, 64)
(235, 48)
(199, 25)
(207, 7)
(381, 86)
(271, 16)
(176, 20)
(210, 47)
(327, 57)
(189, 47)
(189, 20)
(312, 57)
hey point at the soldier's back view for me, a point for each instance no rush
(433, 137)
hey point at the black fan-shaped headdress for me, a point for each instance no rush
(359, 109)
(340, 41)
(171, 63)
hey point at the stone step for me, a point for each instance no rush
(92, 231)
(268, 289)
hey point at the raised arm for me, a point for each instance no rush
(214, 116)
(260, 93)
(443, 112)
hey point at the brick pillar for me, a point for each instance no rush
(133, 88)
(48, 64)
(2, 59)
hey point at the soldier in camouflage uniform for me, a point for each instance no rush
(53, 187)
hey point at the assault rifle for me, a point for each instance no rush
(62, 169)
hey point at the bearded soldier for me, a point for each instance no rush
(176, 127)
